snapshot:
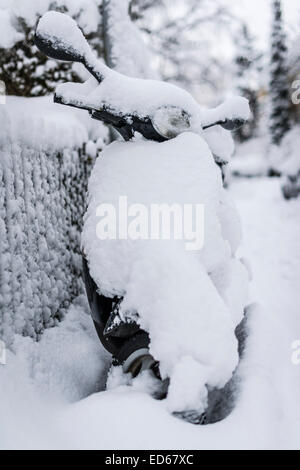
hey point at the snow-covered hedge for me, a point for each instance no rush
(44, 168)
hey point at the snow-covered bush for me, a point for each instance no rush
(285, 160)
(43, 183)
(25, 71)
(106, 25)
(249, 163)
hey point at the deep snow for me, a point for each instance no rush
(46, 389)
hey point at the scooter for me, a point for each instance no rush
(161, 120)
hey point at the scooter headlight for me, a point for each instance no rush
(171, 121)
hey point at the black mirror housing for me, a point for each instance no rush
(55, 50)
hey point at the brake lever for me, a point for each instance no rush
(108, 117)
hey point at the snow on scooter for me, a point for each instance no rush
(166, 289)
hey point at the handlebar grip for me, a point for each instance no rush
(228, 124)
(59, 100)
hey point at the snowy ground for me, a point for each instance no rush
(51, 393)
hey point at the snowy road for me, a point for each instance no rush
(48, 390)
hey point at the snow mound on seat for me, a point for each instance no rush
(189, 302)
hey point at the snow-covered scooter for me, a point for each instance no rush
(159, 308)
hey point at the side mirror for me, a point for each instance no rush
(231, 115)
(59, 37)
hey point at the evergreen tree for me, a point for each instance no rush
(279, 88)
(247, 70)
